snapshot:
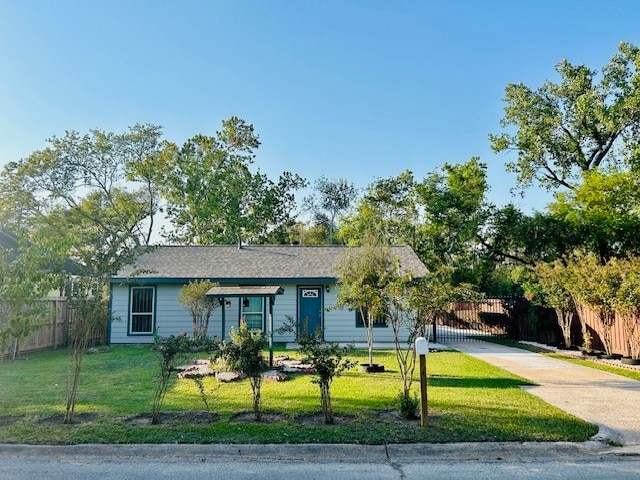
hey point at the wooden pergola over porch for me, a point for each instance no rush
(264, 291)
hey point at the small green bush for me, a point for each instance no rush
(408, 405)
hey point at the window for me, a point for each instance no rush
(253, 312)
(142, 310)
(378, 322)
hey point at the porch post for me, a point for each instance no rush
(223, 318)
(271, 332)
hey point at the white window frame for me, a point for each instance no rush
(260, 312)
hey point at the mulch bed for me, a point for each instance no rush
(267, 417)
(317, 420)
(174, 418)
(10, 419)
(78, 419)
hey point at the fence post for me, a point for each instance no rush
(55, 324)
(435, 338)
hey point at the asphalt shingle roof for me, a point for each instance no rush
(222, 262)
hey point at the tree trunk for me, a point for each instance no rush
(325, 398)
(370, 337)
(255, 387)
(606, 321)
(72, 390)
(564, 321)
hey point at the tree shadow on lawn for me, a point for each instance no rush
(447, 381)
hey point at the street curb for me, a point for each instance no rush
(320, 453)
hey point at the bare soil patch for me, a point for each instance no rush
(10, 419)
(78, 419)
(174, 418)
(267, 417)
(317, 420)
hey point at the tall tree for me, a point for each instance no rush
(604, 210)
(330, 199)
(583, 122)
(77, 186)
(454, 212)
(214, 197)
(388, 212)
(442, 217)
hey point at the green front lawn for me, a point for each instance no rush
(469, 401)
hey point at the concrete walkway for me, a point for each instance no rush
(610, 401)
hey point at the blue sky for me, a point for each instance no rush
(352, 89)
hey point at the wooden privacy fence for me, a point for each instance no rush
(619, 335)
(517, 318)
(52, 332)
(53, 329)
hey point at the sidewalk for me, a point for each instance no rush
(610, 401)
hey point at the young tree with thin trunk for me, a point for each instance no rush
(89, 319)
(193, 298)
(27, 273)
(364, 274)
(628, 305)
(244, 354)
(596, 285)
(553, 284)
(413, 305)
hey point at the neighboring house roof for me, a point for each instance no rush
(10, 242)
(7, 239)
(262, 262)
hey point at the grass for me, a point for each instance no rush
(633, 374)
(469, 400)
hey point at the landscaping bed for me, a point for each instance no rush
(468, 400)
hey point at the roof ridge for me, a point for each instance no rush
(250, 246)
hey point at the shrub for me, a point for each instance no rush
(408, 405)
(171, 351)
(244, 354)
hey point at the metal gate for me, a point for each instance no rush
(469, 322)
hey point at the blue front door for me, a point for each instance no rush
(309, 309)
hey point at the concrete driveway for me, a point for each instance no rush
(610, 401)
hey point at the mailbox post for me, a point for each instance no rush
(422, 349)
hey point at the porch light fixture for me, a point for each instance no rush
(328, 288)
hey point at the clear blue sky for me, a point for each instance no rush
(353, 89)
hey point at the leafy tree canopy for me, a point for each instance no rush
(330, 199)
(87, 189)
(604, 210)
(584, 121)
(214, 197)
